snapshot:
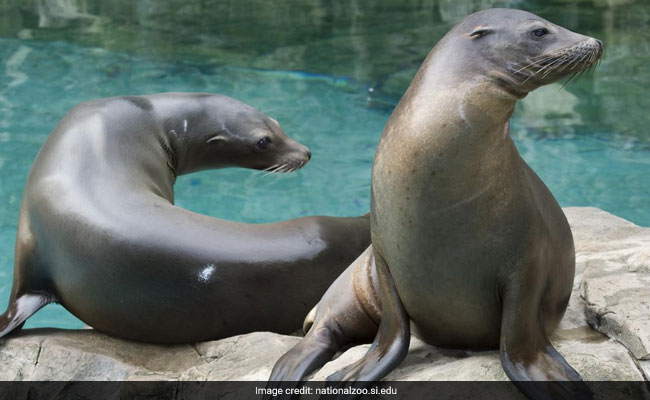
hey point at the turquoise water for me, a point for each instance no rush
(589, 141)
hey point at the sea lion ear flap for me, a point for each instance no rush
(479, 32)
(217, 138)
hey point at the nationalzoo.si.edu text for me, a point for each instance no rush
(328, 390)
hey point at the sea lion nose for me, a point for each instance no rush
(308, 155)
(600, 47)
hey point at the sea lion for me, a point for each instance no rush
(469, 247)
(99, 233)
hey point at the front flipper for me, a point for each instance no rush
(392, 341)
(528, 357)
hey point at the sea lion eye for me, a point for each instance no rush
(539, 33)
(264, 143)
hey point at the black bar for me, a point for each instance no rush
(236, 390)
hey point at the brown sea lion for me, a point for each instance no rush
(469, 247)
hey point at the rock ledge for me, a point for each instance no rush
(605, 333)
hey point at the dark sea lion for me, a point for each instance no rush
(469, 247)
(99, 233)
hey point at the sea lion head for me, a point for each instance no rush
(224, 132)
(522, 51)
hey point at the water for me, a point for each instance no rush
(331, 75)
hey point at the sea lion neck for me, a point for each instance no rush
(183, 119)
(481, 104)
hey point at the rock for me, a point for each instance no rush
(244, 358)
(645, 367)
(613, 259)
(611, 294)
(614, 307)
(50, 354)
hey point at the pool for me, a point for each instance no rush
(331, 75)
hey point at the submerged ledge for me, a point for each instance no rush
(605, 333)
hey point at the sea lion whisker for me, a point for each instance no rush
(573, 75)
(575, 62)
(281, 169)
(555, 65)
(572, 60)
(274, 170)
(567, 63)
(544, 56)
(551, 65)
(587, 54)
(530, 77)
(261, 171)
(564, 63)
(553, 60)
(592, 58)
(582, 73)
(532, 63)
(527, 66)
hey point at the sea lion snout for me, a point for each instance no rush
(293, 157)
(563, 54)
(569, 60)
(285, 155)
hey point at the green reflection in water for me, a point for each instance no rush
(380, 43)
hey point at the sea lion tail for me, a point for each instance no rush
(20, 309)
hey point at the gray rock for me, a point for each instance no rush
(611, 294)
(645, 367)
(613, 261)
(88, 355)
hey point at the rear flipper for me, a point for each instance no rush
(528, 357)
(337, 321)
(391, 342)
(317, 348)
(19, 310)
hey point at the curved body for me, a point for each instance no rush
(99, 232)
(469, 247)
